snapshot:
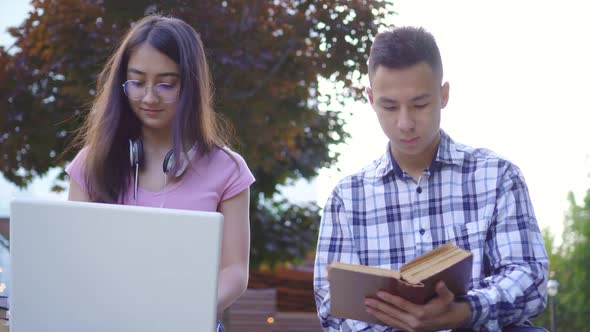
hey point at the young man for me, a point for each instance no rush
(427, 190)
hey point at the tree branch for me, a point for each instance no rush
(268, 77)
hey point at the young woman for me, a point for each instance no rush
(152, 139)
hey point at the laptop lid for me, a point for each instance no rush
(102, 267)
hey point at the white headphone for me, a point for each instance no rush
(136, 159)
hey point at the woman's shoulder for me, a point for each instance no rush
(232, 167)
(227, 161)
(76, 168)
(79, 159)
(225, 155)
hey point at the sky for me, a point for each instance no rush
(518, 72)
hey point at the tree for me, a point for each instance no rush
(544, 319)
(574, 271)
(570, 266)
(267, 58)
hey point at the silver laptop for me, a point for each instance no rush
(101, 267)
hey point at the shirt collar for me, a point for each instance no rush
(446, 153)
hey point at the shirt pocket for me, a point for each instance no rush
(465, 235)
(471, 236)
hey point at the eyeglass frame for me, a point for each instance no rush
(152, 87)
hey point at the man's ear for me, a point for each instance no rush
(444, 94)
(369, 94)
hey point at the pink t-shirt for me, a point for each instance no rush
(211, 180)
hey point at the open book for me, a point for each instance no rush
(350, 284)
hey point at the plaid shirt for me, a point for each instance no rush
(382, 217)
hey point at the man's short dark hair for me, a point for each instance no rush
(404, 47)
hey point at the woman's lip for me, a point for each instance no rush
(149, 110)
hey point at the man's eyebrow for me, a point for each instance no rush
(393, 101)
(387, 100)
(139, 72)
(426, 95)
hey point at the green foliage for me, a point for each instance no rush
(570, 266)
(285, 231)
(266, 59)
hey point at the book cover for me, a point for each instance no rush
(350, 284)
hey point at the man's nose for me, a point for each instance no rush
(405, 120)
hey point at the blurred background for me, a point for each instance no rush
(290, 75)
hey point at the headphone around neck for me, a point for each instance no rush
(136, 159)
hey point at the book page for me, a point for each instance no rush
(427, 264)
(429, 271)
(427, 256)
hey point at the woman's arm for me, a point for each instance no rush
(235, 249)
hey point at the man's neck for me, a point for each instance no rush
(415, 169)
(415, 165)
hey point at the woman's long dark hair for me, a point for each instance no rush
(111, 122)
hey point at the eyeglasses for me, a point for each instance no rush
(137, 90)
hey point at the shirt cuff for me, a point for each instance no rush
(480, 309)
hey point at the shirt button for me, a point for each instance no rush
(422, 231)
(419, 190)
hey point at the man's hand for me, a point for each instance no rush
(440, 313)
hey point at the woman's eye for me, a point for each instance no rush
(166, 86)
(136, 84)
